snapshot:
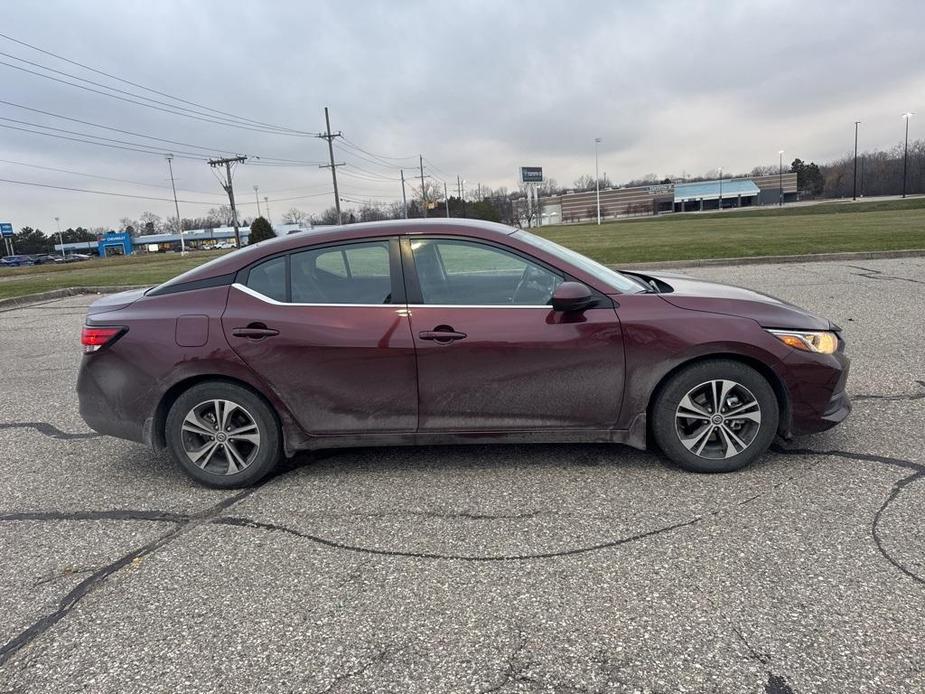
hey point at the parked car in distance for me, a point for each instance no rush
(47, 259)
(15, 260)
(449, 331)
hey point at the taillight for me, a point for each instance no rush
(94, 338)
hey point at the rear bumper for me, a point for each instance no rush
(107, 404)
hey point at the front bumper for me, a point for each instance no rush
(816, 384)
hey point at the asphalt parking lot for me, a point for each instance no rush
(476, 569)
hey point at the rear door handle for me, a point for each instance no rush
(441, 335)
(254, 332)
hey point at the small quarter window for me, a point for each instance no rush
(269, 278)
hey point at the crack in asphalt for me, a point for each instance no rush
(514, 673)
(514, 666)
(97, 515)
(918, 472)
(872, 274)
(100, 576)
(379, 657)
(895, 397)
(334, 544)
(49, 430)
(777, 685)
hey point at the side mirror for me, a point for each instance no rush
(572, 296)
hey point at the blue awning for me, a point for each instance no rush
(710, 190)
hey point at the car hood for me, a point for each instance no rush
(714, 297)
(113, 302)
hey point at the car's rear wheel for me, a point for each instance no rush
(715, 416)
(223, 435)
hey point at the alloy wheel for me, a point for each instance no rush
(718, 419)
(220, 436)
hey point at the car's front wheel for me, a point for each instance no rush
(715, 416)
(223, 435)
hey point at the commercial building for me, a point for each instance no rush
(661, 198)
(122, 243)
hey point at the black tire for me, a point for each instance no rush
(720, 440)
(247, 414)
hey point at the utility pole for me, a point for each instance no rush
(459, 190)
(446, 200)
(597, 181)
(226, 184)
(907, 116)
(266, 206)
(257, 197)
(780, 177)
(423, 189)
(404, 199)
(329, 136)
(176, 205)
(854, 194)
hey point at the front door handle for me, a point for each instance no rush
(442, 333)
(255, 331)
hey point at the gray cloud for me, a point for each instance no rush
(479, 88)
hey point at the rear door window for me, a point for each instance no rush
(356, 273)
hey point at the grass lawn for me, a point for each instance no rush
(99, 272)
(823, 228)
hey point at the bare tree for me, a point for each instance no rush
(295, 216)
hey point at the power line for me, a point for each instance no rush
(268, 159)
(374, 178)
(81, 134)
(103, 192)
(151, 106)
(105, 178)
(437, 168)
(197, 157)
(148, 89)
(348, 142)
(118, 130)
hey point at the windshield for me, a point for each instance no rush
(621, 283)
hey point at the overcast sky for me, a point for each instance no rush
(479, 88)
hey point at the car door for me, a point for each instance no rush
(492, 354)
(327, 328)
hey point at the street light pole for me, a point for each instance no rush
(906, 116)
(597, 180)
(176, 205)
(60, 238)
(780, 176)
(854, 195)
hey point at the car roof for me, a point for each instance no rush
(243, 257)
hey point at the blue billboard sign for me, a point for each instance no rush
(6, 229)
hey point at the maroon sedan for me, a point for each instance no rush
(433, 331)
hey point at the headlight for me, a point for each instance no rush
(823, 341)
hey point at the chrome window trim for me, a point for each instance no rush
(266, 299)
